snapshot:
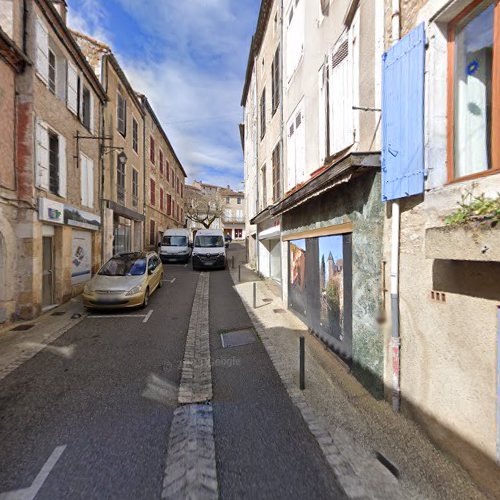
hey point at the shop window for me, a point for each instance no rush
(320, 288)
(474, 93)
(238, 234)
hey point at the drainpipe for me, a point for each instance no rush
(256, 157)
(395, 231)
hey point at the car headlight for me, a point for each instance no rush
(134, 290)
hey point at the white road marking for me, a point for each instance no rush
(65, 352)
(117, 316)
(31, 492)
(172, 280)
(148, 315)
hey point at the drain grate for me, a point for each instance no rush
(238, 338)
(21, 328)
(58, 313)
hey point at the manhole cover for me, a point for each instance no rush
(58, 313)
(21, 328)
(238, 337)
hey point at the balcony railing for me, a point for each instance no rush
(233, 219)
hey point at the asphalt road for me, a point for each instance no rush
(110, 402)
(96, 406)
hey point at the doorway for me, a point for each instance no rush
(48, 271)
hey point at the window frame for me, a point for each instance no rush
(135, 135)
(152, 149)
(262, 107)
(135, 187)
(52, 83)
(152, 192)
(495, 96)
(120, 99)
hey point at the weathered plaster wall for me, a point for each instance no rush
(357, 202)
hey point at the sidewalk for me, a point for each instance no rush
(19, 346)
(335, 401)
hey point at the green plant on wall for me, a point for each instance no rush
(475, 209)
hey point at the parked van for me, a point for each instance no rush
(175, 246)
(209, 250)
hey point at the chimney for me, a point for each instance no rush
(62, 8)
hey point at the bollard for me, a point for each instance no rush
(239, 273)
(302, 381)
(255, 295)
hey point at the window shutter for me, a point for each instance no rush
(90, 182)
(62, 166)
(403, 117)
(42, 155)
(341, 129)
(322, 114)
(72, 88)
(84, 187)
(291, 154)
(93, 128)
(42, 50)
(300, 147)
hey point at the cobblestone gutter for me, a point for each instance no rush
(191, 469)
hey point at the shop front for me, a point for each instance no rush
(332, 230)
(270, 251)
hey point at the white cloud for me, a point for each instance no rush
(191, 68)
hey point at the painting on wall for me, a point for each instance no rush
(81, 257)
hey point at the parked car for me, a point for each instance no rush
(175, 245)
(126, 280)
(209, 250)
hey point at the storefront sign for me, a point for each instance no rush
(81, 257)
(73, 216)
(50, 211)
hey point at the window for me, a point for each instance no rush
(42, 50)
(120, 181)
(53, 163)
(239, 215)
(324, 112)
(474, 98)
(135, 135)
(86, 108)
(169, 204)
(52, 72)
(152, 186)
(264, 186)
(238, 234)
(161, 199)
(277, 173)
(263, 114)
(178, 186)
(161, 161)
(72, 89)
(135, 187)
(121, 114)
(238, 201)
(152, 149)
(227, 200)
(152, 231)
(87, 181)
(296, 149)
(182, 190)
(294, 36)
(167, 170)
(276, 85)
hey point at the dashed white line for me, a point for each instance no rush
(148, 315)
(31, 492)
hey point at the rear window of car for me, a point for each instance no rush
(175, 241)
(124, 266)
(205, 241)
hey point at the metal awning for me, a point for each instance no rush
(271, 233)
(339, 172)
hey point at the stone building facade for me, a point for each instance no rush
(164, 181)
(57, 165)
(449, 275)
(233, 217)
(123, 153)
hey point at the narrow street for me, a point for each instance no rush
(89, 416)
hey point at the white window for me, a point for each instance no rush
(42, 50)
(239, 215)
(341, 130)
(294, 36)
(72, 90)
(296, 148)
(50, 160)
(228, 213)
(87, 181)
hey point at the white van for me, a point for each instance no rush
(209, 250)
(175, 245)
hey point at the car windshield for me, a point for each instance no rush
(209, 241)
(124, 265)
(175, 241)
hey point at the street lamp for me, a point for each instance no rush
(122, 158)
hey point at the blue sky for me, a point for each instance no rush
(189, 57)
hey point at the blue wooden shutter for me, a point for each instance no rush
(403, 117)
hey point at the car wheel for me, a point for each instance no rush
(160, 283)
(146, 298)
